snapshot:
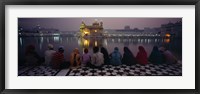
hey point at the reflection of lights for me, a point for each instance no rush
(67, 39)
(119, 40)
(167, 40)
(47, 40)
(20, 39)
(79, 41)
(41, 40)
(138, 40)
(149, 40)
(86, 43)
(56, 34)
(95, 43)
(141, 40)
(56, 39)
(155, 40)
(105, 42)
(112, 40)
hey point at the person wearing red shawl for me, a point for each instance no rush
(142, 56)
(58, 59)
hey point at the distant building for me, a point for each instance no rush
(127, 27)
(39, 29)
(174, 29)
(96, 29)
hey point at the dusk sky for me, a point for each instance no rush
(70, 24)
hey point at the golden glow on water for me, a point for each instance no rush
(95, 43)
(167, 40)
(167, 35)
(86, 43)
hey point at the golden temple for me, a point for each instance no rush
(93, 30)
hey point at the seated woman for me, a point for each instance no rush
(115, 57)
(142, 56)
(31, 56)
(128, 57)
(105, 55)
(156, 56)
(86, 58)
(97, 59)
(58, 61)
(168, 56)
(75, 58)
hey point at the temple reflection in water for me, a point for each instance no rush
(90, 42)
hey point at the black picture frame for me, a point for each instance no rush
(98, 2)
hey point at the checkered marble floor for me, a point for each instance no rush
(106, 70)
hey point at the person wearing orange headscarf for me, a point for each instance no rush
(75, 58)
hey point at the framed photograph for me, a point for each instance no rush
(106, 46)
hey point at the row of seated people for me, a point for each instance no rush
(56, 59)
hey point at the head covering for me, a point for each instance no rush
(116, 49)
(61, 49)
(155, 48)
(162, 48)
(50, 46)
(126, 49)
(76, 50)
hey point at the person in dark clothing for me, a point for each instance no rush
(156, 56)
(128, 57)
(31, 56)
(105, 55)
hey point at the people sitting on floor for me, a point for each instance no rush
(58, 61)
(31, 56)
(97, 59)
(86, 58)
(115, 57)
(169, 58)
(105, 55)
(128, 57)
(156, 56)
(48, 54)
(75, 59)
(142, 56)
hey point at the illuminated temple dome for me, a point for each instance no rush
(93, 30)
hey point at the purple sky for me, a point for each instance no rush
(68, 24)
